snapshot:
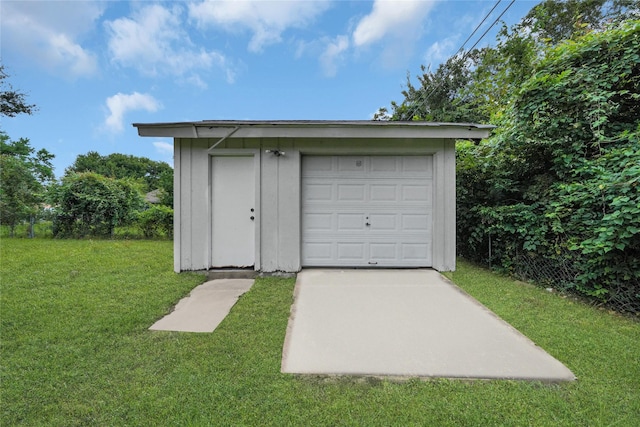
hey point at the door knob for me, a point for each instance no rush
(252, 218)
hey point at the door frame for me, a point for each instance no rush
(224, 152)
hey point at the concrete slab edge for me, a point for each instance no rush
(407, 378)
(400, 378)
(508, 325)
(292, 314)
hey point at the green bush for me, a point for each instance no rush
(157, 221)
(561, 178)
(89, 204)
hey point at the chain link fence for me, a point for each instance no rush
(559, 271)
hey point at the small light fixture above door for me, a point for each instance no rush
(276, 153)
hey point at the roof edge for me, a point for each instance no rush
(304, 123)
(313, 129)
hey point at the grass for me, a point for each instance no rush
(76, 351)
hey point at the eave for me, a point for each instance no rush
(314, 129)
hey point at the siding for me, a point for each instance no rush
(278, 243)
(192, 227)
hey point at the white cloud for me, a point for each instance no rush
(163, 148)
(267, 20)
(396, 26)
(333, 54)
(392, 18)
(49, 33)
(440, 51)
(153, 42)
(120, 104)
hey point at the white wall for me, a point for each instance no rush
(278, 218)
(191, 205)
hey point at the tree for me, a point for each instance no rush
(477, 86)
(12, 102)
(89, 204)
(439, 98)
(23, 172)
(154, 175)
(561, 177)
(165, 184)
(24, 175)
(552, 21)
(501, 70)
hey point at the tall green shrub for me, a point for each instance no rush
(89, 204)
(156, 221)
(24, 176)
(562, 176)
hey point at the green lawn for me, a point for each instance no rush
(76, 351)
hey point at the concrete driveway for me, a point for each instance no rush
(404, 323)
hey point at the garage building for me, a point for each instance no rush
(283, 195)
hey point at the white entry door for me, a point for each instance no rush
(366, 211)
(233, 211)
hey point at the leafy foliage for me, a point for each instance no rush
(12, 102)
(89, 204)
(24, 174)
(156, 221)
(561, 177)
(439, 97)
(153, 174)
(557, 184)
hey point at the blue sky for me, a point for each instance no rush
(94, 67)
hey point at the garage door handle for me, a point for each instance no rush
(367, 224)
(252, 218)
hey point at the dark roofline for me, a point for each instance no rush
(315, 123)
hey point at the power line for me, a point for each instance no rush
(478, 26)
(422, 99)
(491, 26)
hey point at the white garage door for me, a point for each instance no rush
(363, 211)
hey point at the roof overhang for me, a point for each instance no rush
(313, 129)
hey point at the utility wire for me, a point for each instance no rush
(422, 99)
(487, 30)
(478, 26)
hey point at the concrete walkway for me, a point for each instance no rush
(404, 323)
(206, 306)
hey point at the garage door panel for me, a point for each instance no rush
(350, 164)
(415, 251)
(384, 164)
(415, 164)
(319, 221)
(320, 252)
(417, 193)
(318, 192)
(342, 194)
(351, 221)
(351, 251)
(383, 251)
(415, 222)
(317, 165)
(383, 192)
(351, 192)
(387, 222)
